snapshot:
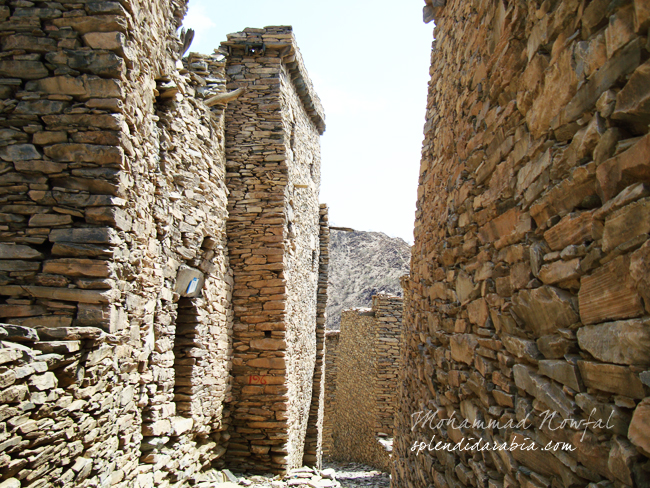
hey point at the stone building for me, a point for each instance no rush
(274, 233)
(144, 231)
(528, 292)
(362, 363)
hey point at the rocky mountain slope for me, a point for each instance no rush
(361, 265)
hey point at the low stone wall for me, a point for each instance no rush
(360, 406)
(528, 293)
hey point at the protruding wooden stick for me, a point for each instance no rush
(224, 98)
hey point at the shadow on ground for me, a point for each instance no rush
(354, 475)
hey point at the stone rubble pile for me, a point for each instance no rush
(344, 474)
(303, 477)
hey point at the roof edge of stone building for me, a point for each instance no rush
(432, 9)
(282, 39)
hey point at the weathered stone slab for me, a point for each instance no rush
(94, 23)
(112, 216)
(463, 347)
(622, 457)
(100, 121)
(49, 220)
(562, 372)
(572, 229)
(540, 461)
(633, 101)
(544, 310)
(267, 363)
(19, 265)
(507, 228)
(629, 167)
(77, 267)
(72, 294)
(627, 223)
(94, 235)
(85, 152)
(19, 152)
(40, 107)
(521, 348)
(623, 62)
(567, 195)
(18, 251)
(62, 85)
(58, 347)
(609, 293)
(17, 333)
(28, 43)
(639, 431)
(92, 185)
(618, 419)
(630, 194)
(101, 63)
(622, 342)
(77, 250)
(611, 378)
(27, 70)
(43, 382)
(559, 271)
(268, 344)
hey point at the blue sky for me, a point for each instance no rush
(369, 61)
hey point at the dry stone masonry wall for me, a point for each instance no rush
(115, 275)
(529, 277)
(362, 366)
(102, 216)
(273, 162)
(313, 452)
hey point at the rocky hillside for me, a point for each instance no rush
(361, 265)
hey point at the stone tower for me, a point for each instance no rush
(274, 232)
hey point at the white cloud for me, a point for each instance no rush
(198, 18)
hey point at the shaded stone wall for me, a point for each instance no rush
(359, 411)
(314, 438)
(528, 289)
(329, 406)
(273, 161)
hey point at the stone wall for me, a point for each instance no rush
(329, 406)
(114, 256)
(314, 438)
(388, 322)
(273, 161)
(528, 285)
(358, 423)
(114, 199)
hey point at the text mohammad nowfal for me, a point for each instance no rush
(427, 418)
